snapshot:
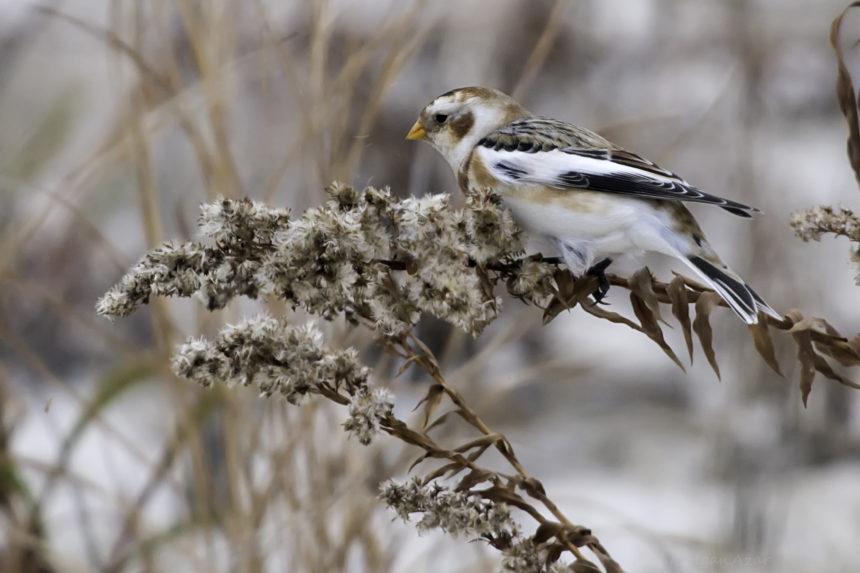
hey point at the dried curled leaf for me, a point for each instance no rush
(847, 352)
(447, 471)
(570, 292)
(546, 531)
(650, 326)
(642, 283)
(764, 344)
(438, 421)
(802, 333)
(532, 486)
(846, 93)
(677, 291)
(702, 326)
(825, 369)
(601, 312)
(430, 401)
(814, 324)
(806, 357)
(481, 442)
(502, 494)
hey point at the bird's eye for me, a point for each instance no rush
(440, 117)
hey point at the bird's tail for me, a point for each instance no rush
(740, 296)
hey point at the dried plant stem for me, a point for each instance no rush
(568, 532)
(461, 458)
(680, 294)
(696, 290)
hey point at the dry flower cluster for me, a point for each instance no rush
(277, 358)
(339, 258)
(381, 262)
(468, 514)
(812, 224)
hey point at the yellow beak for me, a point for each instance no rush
(417, 132)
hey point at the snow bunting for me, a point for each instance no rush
(586, 195)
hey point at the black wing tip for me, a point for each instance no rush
(739, 212)
(742, 210)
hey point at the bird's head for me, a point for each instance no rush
(455, 121)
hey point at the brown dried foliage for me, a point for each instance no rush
(555, 534)
(816, 339)
(846, 93)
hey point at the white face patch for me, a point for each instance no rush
(455, 148)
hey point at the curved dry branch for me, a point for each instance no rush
(816, 339)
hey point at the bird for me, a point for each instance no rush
(588, 197)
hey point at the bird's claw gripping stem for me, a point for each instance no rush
(599, 270)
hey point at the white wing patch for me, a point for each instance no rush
(594, 170)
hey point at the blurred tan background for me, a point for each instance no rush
(118, 118)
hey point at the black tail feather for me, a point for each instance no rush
(738, 295)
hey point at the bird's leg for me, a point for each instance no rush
(599, 270)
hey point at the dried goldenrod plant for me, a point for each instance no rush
(382, 262)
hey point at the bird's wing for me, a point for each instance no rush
(561, 155)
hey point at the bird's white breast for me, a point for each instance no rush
(601, 224)
(605, 224)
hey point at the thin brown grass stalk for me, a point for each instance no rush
(541, 49)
